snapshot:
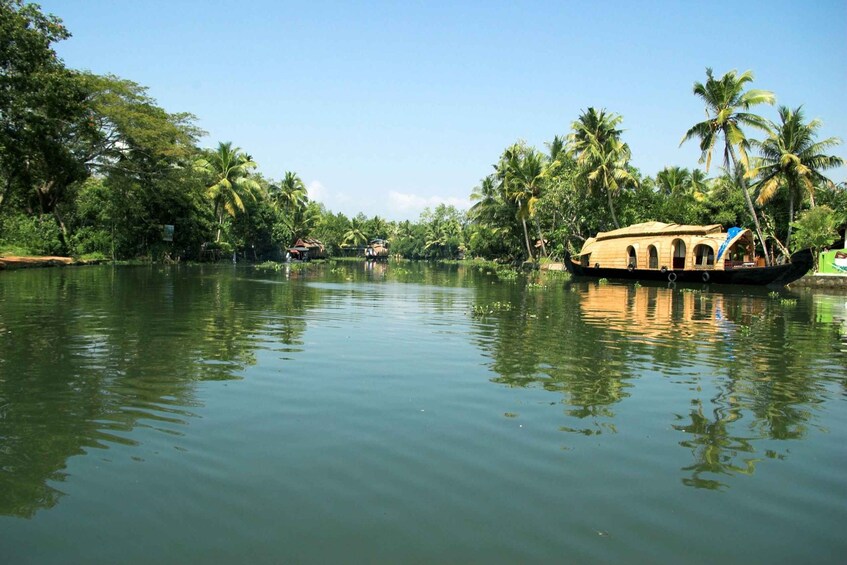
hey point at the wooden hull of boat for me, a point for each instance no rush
(778, 275)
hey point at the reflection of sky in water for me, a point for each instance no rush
(349, 404)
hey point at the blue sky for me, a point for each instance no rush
(388, 107)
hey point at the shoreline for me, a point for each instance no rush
(13, 262)
(20, 262)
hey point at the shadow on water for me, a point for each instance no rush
(745, 366)
(87, 355)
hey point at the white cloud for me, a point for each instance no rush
(398, 205)
(317, 191)
(404, 204)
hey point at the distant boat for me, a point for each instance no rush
(683, 253)
(377, 250)
(305, 249)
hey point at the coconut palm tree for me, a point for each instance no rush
(490, 212)
(355, 235)
(302, 221)
(699, 185)
(601, 156)
(521, 172)
(672, 180)
(230, 181)
(790, 158)
(726, 112)
(291, 194)
(526, 173)
(485, 199)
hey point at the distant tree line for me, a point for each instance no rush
(91, 166)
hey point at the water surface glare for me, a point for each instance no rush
(415, 413)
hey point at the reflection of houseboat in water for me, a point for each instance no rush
(377, 250)
(305, 249)
(671, 252)
(660, 316)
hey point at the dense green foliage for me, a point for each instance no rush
(91, 166)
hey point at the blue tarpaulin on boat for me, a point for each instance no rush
(730, 235)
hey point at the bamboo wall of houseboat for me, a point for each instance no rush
(609, 251)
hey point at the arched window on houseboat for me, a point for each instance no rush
(631, 259)
(704, 256)
(678, 254)
(654, 257)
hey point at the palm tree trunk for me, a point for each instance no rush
(526, 238)
(743, 184)
(63, 229)
(540, 237)
(612, 208)
(790, 217)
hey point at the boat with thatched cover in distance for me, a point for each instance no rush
(377, 250)
(684, 253)
(305, 249)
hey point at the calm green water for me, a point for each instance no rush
(346, 415)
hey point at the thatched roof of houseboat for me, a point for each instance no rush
(658, 228)
(308, 243)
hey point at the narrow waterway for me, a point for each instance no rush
(411, 413)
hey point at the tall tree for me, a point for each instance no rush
(672, 180)
(34, 89)
(289, 195)
(699, 184)
(603, 159)
(492, 219)
(355, 234)
(290, 199)
(229, 171)
(791, 158)
(42, 109)
(726, 113)
(502, 172)
(523, 174)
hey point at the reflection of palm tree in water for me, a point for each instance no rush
(743, 345)
(715, 450)
(96, 378)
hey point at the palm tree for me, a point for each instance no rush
(673, 180)
(526, 175)
(377, 228)
(791, 158)
(229, 170)
(291, 194)
(486, 200)
(601, 156)
(302, 221)
(699, 184)
(521, 172)
(355, 235)
(490, 212)
(726, 112)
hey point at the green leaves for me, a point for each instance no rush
(228, 169)
(724, 98)
(602, 158)
(816, 228)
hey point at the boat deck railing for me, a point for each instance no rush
(738, 264)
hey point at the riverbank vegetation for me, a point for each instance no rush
(91, 166)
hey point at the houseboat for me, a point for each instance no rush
(377, 250)
(305, 249)
(674, 252)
